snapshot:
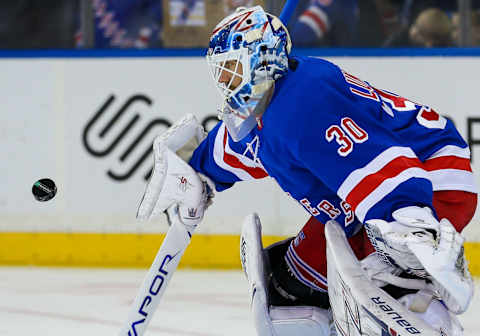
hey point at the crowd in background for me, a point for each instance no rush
(380, 23)
(188, 23)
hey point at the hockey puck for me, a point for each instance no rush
(44, 190)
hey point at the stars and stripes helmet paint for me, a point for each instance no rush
(252, 46)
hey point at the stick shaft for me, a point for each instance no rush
(156, 281)
(288, 10)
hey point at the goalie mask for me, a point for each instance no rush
(248, 51)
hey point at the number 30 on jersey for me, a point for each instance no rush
(346, 134)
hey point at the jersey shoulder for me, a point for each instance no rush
(315, 92)
(314, 68)
(306, 101)
(310, 82)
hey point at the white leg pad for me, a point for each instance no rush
(300, 320)
(436, 315)
(357, 303)
(270, 320)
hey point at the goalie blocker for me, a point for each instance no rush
(359, 307)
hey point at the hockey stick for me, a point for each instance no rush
(287, 11)
(168, 257)
(153, 286)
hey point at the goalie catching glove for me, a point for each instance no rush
(418, 243)
(173, 180)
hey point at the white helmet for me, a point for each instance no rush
(253, 47)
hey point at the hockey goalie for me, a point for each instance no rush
(387, 182)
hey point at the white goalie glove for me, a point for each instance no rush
(358, 304)
(173, 180)
(176, 187)
(425, 247)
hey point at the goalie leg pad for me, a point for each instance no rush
(358, 304)
(300, 320)
(271, 320)
(436, 315)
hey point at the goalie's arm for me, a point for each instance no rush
(222, 160)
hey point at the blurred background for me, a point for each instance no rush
(86, 85)
(186, 23)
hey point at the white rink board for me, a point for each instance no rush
(47, 104)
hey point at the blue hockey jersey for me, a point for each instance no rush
(342, 148)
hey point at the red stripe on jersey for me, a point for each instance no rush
(233, 161)
(307, 276)
(455, 205)
(317, 20)
(372, 181)
(448, 162)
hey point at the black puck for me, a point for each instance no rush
(44, 190)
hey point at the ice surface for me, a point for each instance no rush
(53, 301)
